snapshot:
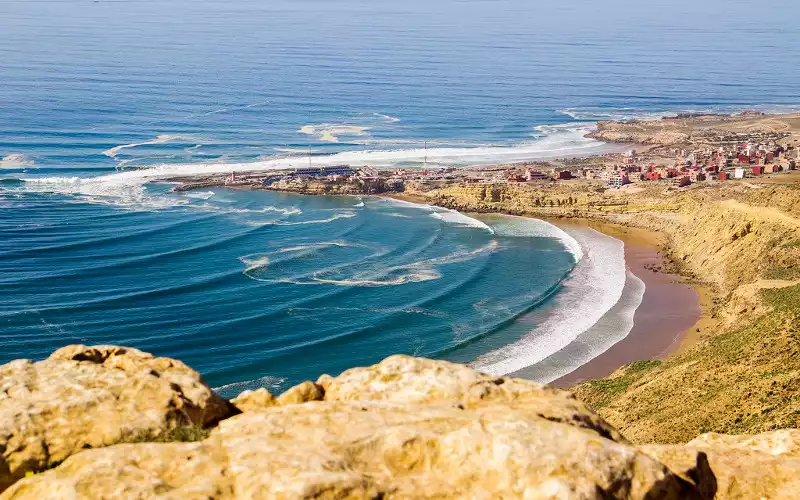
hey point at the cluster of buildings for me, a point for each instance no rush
(705, 164)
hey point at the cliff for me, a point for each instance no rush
(743, 376)
(405, 428)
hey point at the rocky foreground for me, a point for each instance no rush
(91, 422)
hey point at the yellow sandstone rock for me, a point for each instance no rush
(254, 400)
(405, 428)
(744, 467)
(90, 397)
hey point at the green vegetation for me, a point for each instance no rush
(782, 273)
(179, 434)
(617, 385)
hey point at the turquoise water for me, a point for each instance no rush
(245, 285)
(99, 98)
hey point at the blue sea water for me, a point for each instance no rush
(97, 98)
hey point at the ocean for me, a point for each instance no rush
(99, 99)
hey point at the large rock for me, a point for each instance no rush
(406, 428)
(89, 397)
(744, 467)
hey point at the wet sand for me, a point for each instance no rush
(665, 321)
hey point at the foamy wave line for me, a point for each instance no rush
(268, 382)
(443, 214)
(594, 287)
(345, 215)
(161, 139)
(126, 188)
(513, 226)
(630, 114)
(392, 310)
(329, 132)
(16, 161)
(459, 219)
(602, 336)
(200, 195)
(416, 272)
(388, 118)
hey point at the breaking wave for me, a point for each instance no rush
(272, 383)
(161, 139)
(594, 287)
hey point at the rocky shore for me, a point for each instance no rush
(103, 422)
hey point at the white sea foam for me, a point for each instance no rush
(344, 215)
(628, 114)
(255, 262)
(362, 275)
(459, 219)
(15, 161)
(200, 195)
(602, 336)
(127, 187)
(330, 132)
(594, 287)
(161, 139)
(445, 215)
(388, 118)
(268, 382)
(304, 151)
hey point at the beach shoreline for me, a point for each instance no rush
(672, 314)
(670, 311)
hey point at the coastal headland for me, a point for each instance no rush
(722, 194)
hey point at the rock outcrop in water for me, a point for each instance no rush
(404, 428)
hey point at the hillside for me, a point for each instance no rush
(743, 240)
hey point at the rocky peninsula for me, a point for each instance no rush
(114, 422)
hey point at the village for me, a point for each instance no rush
(702, 165)
(706, 155)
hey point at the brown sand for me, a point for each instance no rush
(667, 318)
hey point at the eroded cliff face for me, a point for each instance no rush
(404, 428)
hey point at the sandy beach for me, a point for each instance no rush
(667, 318)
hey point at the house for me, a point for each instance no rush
(617, 179)
(652, 176)
(564, 175)
(681, 181)
(535, 175)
